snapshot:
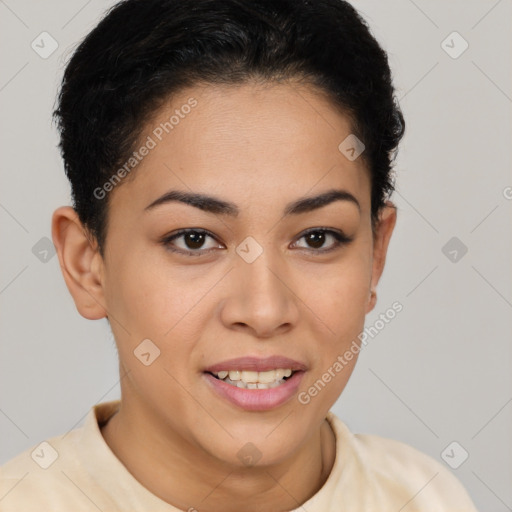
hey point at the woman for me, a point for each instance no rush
(230, 164)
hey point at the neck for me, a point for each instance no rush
(185, 475)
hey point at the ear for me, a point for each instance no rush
(381, 238)
(80, 262)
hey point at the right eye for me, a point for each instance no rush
(191, 242)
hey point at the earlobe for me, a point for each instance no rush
(372, 300)
(80, 262)
(382, 236)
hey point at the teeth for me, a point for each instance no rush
(253, 385)
(254, 377)
(254, 380)
(267, 377)
(249, 376)
(234, 375)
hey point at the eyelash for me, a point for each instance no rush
(340, 240)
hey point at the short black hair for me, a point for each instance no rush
(144, 51)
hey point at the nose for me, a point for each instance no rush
(261, 298)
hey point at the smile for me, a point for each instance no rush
(255, 396)
(254, 380)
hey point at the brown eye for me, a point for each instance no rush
(316, 238)
(190, 242)
(194, 240)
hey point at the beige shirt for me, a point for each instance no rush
(78, 472)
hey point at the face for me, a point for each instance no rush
(260, 272)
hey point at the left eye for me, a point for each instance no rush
(316, 238)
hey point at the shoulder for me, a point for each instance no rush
(401, 474)
(39, 473)
(52, 474)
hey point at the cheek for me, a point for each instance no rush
(151, 301)
(341, 307)
(151, 295)
(338, 294)
(339, 297)
(150, 298)
(344, 313)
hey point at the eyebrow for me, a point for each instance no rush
(218, 206)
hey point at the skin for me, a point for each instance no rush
(261, 147)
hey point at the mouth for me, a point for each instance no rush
(248, 379)
(256, 395)
(255, 383)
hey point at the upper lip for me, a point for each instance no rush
(257, 364)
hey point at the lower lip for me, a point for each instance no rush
(256, 399)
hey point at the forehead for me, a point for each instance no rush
(252, 142)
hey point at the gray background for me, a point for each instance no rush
(439, 372)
